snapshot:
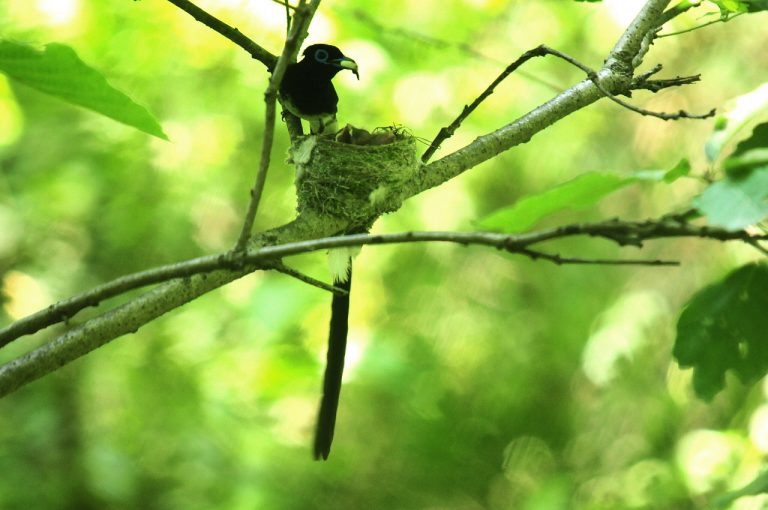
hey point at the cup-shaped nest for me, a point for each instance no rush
(354, 181)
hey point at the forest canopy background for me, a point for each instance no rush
(475, 379)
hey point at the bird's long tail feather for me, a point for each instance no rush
(334, 368)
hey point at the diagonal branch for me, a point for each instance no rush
(541, 51)
(282, 268)
(230, 32)
(615, 77)
(447, 132)
(301, 20)
(64, 310)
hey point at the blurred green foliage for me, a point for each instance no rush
(717, 330)
(475, 379)
(56, 70)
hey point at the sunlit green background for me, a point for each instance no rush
(474, 380)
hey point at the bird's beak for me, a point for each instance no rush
(348, 63)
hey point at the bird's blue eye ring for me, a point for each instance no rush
(321, 56)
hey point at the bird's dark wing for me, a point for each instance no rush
(306, 96)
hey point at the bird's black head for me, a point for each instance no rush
(328, 58)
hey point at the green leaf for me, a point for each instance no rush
(731, 6)
(759, 485)
(756, 5)
(721, 329)
(757, 140)
(749, 154)
(735, 203)
(578, 193)
(59, 72)
(681, 169)
(741, 166)
(731, 126)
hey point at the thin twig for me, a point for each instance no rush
(560, 260)
(448, 131)
(681, 114)
(617, 72)
(621, 232)
(657, 85)
(719, 20)
(231, 33)
(592, 75)
(301, 19)
(287, 17)
(755, 243)
(677, 10)
(287, 5)
(643, 77)
(540, 51)
(282, 268)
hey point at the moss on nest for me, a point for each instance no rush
(353, 182)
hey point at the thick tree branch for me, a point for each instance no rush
(63, 310)
(129, 317)
(634, 43)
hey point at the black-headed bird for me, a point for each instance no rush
(307, 92)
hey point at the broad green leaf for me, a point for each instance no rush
(721, 328)
(578, 193)
(731, 126)
(59, 72)
(736, 202)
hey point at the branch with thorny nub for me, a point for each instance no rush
(185, 281)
